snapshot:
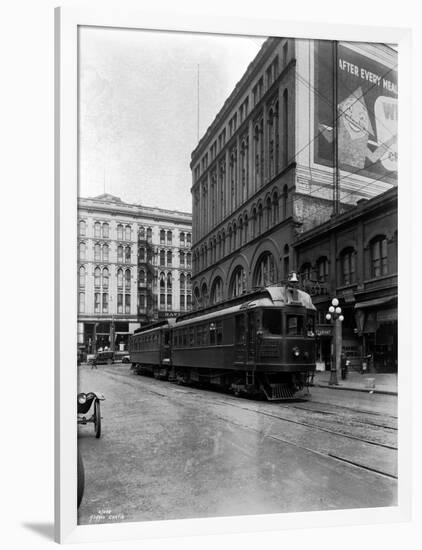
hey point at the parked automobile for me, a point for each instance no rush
(90, 358)
(104, 358)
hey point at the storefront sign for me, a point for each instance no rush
(387, 315)
(168, 314)
(324, 330)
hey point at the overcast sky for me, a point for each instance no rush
(138, 108)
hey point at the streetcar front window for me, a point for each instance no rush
(271, 321)
(294, 325)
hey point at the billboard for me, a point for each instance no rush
(366, 116)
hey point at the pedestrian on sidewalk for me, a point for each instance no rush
(344, 365)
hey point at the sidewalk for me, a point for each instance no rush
(376, 383)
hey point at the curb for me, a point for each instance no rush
(364, 390)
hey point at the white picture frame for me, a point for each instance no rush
(67, 21)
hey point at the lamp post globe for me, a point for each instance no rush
(338, 310)
(341, 318)
(328, 317)
(334, 302)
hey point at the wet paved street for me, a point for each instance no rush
(170, 451)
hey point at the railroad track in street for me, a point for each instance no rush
(346, 434)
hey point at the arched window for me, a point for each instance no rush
(197, 296)
(142, 232)
(169, 237)
(286, 261)
(348, 268)
(120, 232)
(128, 233)
(120, 278)
(240, 237)
(105, 277)
(169, 257)
(285, 199)
(268, 213)
(204, 293)
(105, 231)
(162, 236)
(275, 208)
(127, 303)
(188, 282)
(182, 238)
(265, 271)
(182, 258)
(149, 234)
(120, 253)
(97, 252)
(82, 276)
(188, 236)
(254, 223)
(105, 252)
(237, 282)
(162, 257)
(169, 281)
(97, 229)
(105, 302)
(182, 282)
(97, 304)
(82, 228)
(245, 229)
(223, 244)
(127, 279)
(234, 244)
(97, 277)
(127, 254)
(217, 291)
(285, 136)
(81, 302)
(379, 258)
(322, 269)
(142, 254)
(305, 272)
(82, 251)
(142, 276)
(230, 240)
(259, 219)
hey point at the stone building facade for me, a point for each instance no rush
(264, 173)
(353, 257)
(134, 267)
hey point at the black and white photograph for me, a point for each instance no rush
(237, 261)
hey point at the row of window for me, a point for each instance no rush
(102, 230)
(378, 264)
(101, 302)
(260, 219)
(102, 277)
(229, 186)
(199, 335)
(124, 233)
(270, 73)
(102, 253)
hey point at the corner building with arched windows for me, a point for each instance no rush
(267, 171)
(264, 173)
(134, 267)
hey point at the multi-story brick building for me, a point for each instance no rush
(134, 267)
(264, 171)
(354, 258)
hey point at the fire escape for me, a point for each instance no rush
(147, 299)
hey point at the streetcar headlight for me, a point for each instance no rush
(81, 398)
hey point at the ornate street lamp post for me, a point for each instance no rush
(336, 318)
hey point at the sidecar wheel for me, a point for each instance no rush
(81, 478)
(97, 420)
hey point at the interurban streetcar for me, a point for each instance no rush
(259, 343)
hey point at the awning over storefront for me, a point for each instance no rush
(375, 302)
